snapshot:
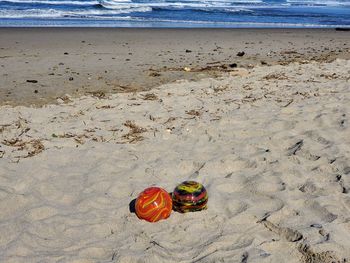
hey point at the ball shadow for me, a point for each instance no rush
(132, 206)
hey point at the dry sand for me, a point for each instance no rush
(271, 145)
(80, 61)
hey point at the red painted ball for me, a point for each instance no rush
(153, 204)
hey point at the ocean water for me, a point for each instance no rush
(170, 13)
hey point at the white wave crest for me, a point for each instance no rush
(48, 2)
(319, 2)
(198, 5)
(191, 4)
(53, 13)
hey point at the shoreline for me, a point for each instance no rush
(39, 65)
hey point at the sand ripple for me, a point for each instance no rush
(271, 147)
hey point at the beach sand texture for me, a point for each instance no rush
(39, 65)
(270, 144)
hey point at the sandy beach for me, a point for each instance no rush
(268, 138)
(39, 65)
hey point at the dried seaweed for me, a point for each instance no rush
(65, 99)
(33, 147)
(105, 107)
(134, 135)
(149, 96)
(221, 88)
(171, 119)
(221, 68)
(330, 76)
(295, 147)
(288, 52)
(278, 76)
(98, 94)
(288, 103)
(154, 74)
(79, 138)
(37, 147)
(194, 113)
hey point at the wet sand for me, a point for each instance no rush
(39, 65)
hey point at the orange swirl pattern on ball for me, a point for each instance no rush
(153, 204)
